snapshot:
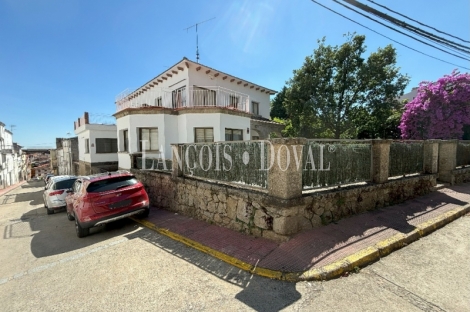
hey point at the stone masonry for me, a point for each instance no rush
(254, 212)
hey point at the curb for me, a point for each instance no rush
(15, 186)
(336, 269)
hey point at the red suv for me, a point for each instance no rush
(103, 198)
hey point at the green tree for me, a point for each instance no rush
(277, 105)
(338, 93)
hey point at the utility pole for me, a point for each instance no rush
(197, 40)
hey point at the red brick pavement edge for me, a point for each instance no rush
(11, 187)
(322, 253)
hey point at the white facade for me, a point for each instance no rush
(11, 161)
(186, 97)
(87, 142)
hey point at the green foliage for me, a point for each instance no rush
(273, 135)
(277, 105)
(337, 93)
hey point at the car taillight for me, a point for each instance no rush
(56, 192)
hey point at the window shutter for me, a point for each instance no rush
(237, 135)
(199, 135)
(209, 135)
(153, 139)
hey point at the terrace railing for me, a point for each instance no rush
(210, 96)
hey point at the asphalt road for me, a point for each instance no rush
(124, 267)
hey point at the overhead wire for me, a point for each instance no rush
(428, 55)
(409, 27)
(399, 31)
(418, 22)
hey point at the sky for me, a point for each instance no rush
(59, 59)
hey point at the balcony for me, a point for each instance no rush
(194, 97)
(6, 149)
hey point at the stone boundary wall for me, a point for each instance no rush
(86, 168)
(255, 212)
(461, 175)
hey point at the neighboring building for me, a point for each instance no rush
(190, 102)
(410, 95)
(66, 156)
(53, 161)
(11, 160)
(97, 146)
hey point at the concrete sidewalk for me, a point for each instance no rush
(11, 187)
(325, 252)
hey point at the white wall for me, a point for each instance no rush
(189, 77)
(124, 161)
(92, 132)
(180, 128)
(9, 170)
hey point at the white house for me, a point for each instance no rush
(190, 102)
(97, 146)
(11, 161)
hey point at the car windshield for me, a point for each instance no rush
(111, 184)
(65, 184)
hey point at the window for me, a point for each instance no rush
(87, 146)
(158, 101)
(203, 97)
(111, 184)
(233, 135)
(64, 185)
(203, 135)
(125, 135)
(234, 100)
(106, 146)
(148, 139)
(255, 108)
(179, 97)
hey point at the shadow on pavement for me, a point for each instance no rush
(31, 184)
(259, 293)
(55, 234)
(33, 197)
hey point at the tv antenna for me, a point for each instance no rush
(197, 41)
(12, 127)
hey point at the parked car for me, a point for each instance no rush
(47, 177)
(99, 199)
(56, 191)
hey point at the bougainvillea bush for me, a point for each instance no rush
(439, 110)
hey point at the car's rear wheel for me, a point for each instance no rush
(49, 211)
(81, 232)
(69, 216)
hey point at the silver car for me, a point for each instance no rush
(56, 191)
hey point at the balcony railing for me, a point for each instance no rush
(186, 98)
(6, 149)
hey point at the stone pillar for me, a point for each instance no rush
(447, 160)
(431, 156)
(380, 160)
(177, 160)
(284, 177)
